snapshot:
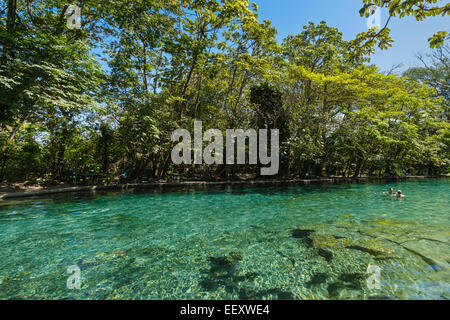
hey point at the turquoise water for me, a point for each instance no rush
(305, 242)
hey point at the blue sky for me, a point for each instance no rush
(410, 37)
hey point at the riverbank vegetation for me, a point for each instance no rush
(102, 101)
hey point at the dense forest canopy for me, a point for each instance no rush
(105, 98)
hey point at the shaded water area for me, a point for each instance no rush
(305, 242)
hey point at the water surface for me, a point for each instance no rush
(305, 242)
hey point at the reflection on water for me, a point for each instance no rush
(309, 242)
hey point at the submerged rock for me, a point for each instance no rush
(317, 279)
(327, 254)
(235, 257)
(321, 241)
(304, 235)
(366, 250)
(300, 234)
(226, 263)
(434, 254)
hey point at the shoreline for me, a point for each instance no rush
(42, 191)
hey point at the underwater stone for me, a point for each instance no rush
(304, 235)
(328, 255)
(226, 263)
(317, 279)
(321, 241)
(235, 257)
(434, 254)
(352, 277)
(300, 234)
(366, 250)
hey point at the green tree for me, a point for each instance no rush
(419, 9)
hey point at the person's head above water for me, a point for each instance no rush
(391, 190)
(400, 194)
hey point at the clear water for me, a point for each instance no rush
(306, 242)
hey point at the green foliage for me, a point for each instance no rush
(165, 64)
(419, 9)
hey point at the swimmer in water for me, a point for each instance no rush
(399, 194)
(391, 192)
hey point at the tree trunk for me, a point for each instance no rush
(186, 86)
(359, 164)
(60, 163)
(105, 156)
(11, 15)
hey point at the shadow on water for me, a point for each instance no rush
(223, 273)
(317, 279)
(346, 281)
(303, 235)
(335, 287)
